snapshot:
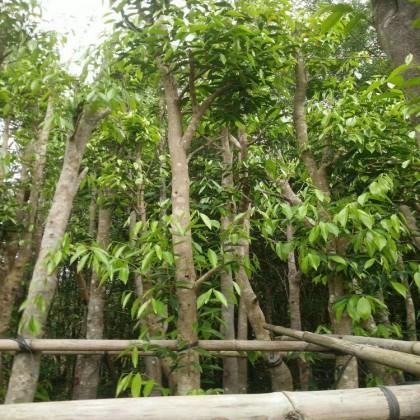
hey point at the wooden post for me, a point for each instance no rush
(351, 404)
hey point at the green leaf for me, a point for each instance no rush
(124, 273)
(400, 288)
(159, 308)
(220, 297)
(204, 298)
(320, 195)
(158, 251)
(148, 387)
(206, 220)
(417, 279)
(314, 260)
(369, 263)
(365, 218)
(212, 256)
(34, 326)
(283, 249)
(135, 356)
(142, 308)
(339, 307)
(338, 259)
(238, 288)
(123, 383)
(136, 385)
(82, 263)
(352, 308)
(342, 217)
(314, 234)
(363, 308)
(147, 261)
(126, 299)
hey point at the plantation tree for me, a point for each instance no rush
(23, 381)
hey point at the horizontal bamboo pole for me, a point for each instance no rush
(349, 404)
(76, 346)
(412, 347)
(407, 362)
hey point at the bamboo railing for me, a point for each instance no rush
(350, 404)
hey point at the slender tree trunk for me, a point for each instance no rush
(410, 311)
(294, 278)
(380, 372)
(86, 376)
(242, 335)
(143, 285)
(230, 364)
(281, 378)
(4, 149)
(188, 372)
(13, 279)
(25, 371)
(411, 224)
(179, 143)
(346, 366)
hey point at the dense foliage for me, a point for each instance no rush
(301, 171)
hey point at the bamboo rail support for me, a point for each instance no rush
(412, 347)
(349, 404)
(407, 362)
(69, 346)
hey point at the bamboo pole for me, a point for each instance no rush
(412, 347)
(349, 404)
(391, 358)
(69, 345)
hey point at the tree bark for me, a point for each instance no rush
(410, 313)
(294, 278)
(188, 374)
(230, 365)
(4, 149)
(12, 281)
(86, 376)
(394, 22)
(281, 378)
(25, 371)
(143, 285)
(242, 335)
(346, 366)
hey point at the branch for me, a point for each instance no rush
(235, 141)
(206, 276)
(185, 89)
(209, 142)
(196, 117)
(191, 83)
(130, 25)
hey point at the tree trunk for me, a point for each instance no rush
(410, 312)
(281, 378)
(380, 372)
(230, 365)
(294, 278)
(394, 22)
(346, 366)
(86, 376)
(25, 371)
(242, 335)
(13, 279)
(143, 284)
(188, 373)
(4, 149)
